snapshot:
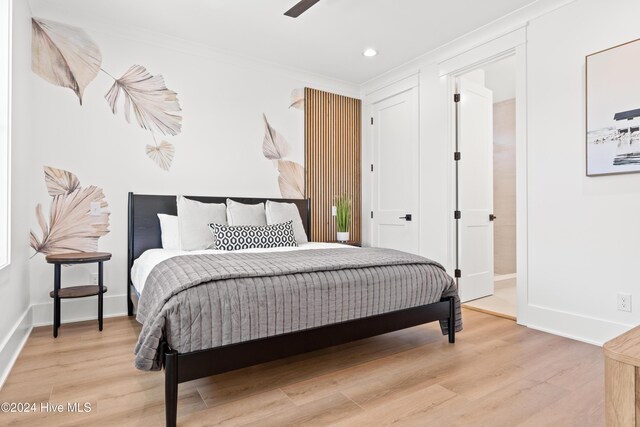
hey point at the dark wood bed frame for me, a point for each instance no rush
(144, 234)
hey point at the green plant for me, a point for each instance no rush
(343, 212)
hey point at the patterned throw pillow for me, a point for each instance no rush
(235, 237)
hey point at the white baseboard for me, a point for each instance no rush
(81, 309)
(14, 343)
(587, 329)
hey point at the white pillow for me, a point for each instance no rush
(169, 231)
(241, 214)
(193, 222)
(282, 212)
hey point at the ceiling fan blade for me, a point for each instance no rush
(300, 8)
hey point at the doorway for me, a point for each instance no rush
(486, 190)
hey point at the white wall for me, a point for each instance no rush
(219, 151)
(582, 232)
(15, 318)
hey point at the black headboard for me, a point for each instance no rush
(144, 225)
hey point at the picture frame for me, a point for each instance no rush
(612, 95)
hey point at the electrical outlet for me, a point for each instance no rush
(624, 302)
(334, 211)
(96, 210)
(93, 278)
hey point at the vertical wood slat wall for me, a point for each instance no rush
(332, 160)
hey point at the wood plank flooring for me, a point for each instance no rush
(497, 374)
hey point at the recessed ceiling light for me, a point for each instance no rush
(370, 52)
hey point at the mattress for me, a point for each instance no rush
(152, 257)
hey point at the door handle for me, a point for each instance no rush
(407, 217)
(492, 217)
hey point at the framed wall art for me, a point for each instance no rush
(613, 110)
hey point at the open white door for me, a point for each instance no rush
(475, 190)
(395, 169)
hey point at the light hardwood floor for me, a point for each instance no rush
(497, 374)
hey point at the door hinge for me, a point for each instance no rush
(371, 167)
(457, 273)
(457, 156)
(456, 97)
(371, 214)
(371, 120)
(457, 214)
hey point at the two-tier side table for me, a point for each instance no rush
(59, 293)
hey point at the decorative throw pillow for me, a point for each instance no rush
(278, 212)
(169, 231)
(193, 222)
(235, 237)
(242, 214)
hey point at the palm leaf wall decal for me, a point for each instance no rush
(154, 106)
(71, 228)
(64, 55)
(34, 241)
(274, 145)
(60, 181)
(291, 179)
(297, 99)
(161, 154)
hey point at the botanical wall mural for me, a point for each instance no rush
(66, 56)
(297, 99)
(72, 226)
(275, 147)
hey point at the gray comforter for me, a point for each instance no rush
(196, 302)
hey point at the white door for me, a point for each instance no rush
(395, 197)
(475, 190)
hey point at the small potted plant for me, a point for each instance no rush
(343, 217)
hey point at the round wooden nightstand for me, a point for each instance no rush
(58, 260)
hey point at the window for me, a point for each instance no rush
(5, 117)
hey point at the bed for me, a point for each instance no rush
(207, 313)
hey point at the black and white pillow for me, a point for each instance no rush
(235, 237)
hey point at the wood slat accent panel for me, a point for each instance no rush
(332, 160)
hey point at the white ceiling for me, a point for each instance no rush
(328, 39)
